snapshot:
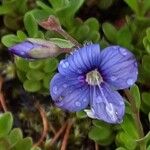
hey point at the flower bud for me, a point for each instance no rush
(52, 23)
(36, 49)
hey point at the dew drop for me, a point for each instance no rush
(55, 89)
(64, 64)
(113, 78)
(77, 103)
(99, 99)
(135, 64)
(123, 51)
(64, 85)
(130, 81)
(84, 100)
(22, 53)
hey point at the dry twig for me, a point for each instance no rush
(2, 99)
(96, 146)
(57, 135)
(45, 124)
(66, 136)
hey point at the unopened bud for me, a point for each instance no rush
(36, 49)
(52, 23)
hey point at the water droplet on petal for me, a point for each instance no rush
(123, 51)
(84, 100)
(135, 64)
(79, 71)
(64, 64)
(55, 89)
(22, 53)
(99, 99)
(130, 81)
(64, 85)
(113, 78)
(77, 103)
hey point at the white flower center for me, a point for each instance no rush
(94, 77)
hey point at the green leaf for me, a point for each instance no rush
(146, 6)
(121, 148)
(133, 4)
(149, 116)
(6, 122)
(36, 64)
(148, 33)
(46, 80)
(93, 24)
(148, 148)
(129, 127)
(44, 7)
(82, 32)
(59, 4)
(146, 62)
(62, 43)
(99, 134)
(35, 75)
(110, 32)
(50, 65)
(105, 4)
(11, 22)
(124, 37)
(146, 98)
(146, 43)
(94, 36)
(81, 114)
(10, 40)
(4, 144)
(30, 24)
(15, 135)
(22, 64)
(25, 143)
(136, 94)
(5, 9)
(122, 139)
(40, 14)
(101, 124)
(21, 75)
(21, 35)
(32, 86)
(35, 148)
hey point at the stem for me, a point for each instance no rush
(96, 146)
(66, 136)
(68, 37)
(57, 135)
(136, 117)
(45, 125)
(2, 99)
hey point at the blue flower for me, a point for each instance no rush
(91, 77)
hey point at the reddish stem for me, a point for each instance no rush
(45, 124)
(66, 136)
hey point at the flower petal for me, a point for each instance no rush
(118, 67)
(81, 61)
(22, 49)
(106, 104)
(69, 94)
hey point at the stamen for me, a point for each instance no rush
(94, 77)
(110, 109)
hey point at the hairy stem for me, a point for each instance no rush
(136, 117)
(68, 37)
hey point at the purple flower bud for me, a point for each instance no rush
(36, 49)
